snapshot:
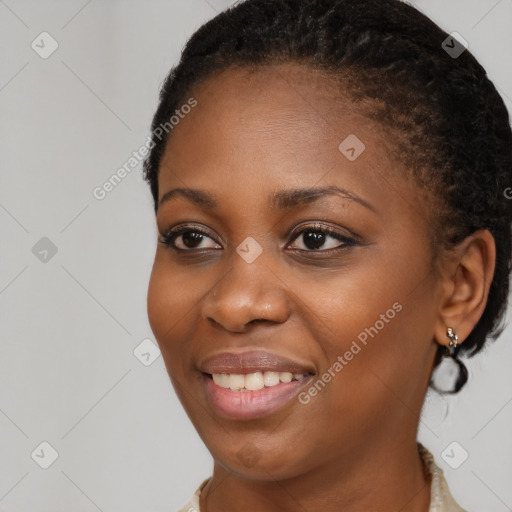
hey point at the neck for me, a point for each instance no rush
(388, 478)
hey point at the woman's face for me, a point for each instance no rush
(305, 243)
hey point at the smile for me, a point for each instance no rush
(253, 381)
(253, 395)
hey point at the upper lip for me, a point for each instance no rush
(251, 361)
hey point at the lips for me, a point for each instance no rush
(252, 361)
(231, 383)
(251, 405)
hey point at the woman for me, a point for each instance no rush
(329, 180)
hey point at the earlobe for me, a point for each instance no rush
(467, 279)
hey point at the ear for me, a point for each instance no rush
(467, 273)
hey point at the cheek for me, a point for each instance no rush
(375, 323)
(170, 300)
(159, 302)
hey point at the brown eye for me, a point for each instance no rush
(320, 238)
(314, 239)
(187, 238)
(191, 239)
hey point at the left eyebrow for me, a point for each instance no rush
(297, 197)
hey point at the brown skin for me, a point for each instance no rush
(353, 446)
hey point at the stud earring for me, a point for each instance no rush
(452, 346)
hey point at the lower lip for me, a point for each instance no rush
(246, 405)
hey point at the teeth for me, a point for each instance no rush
(236, 381)
(285, 377)
(221, 379)
(270, 378)
(253, 381)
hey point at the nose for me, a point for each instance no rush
(247, 294)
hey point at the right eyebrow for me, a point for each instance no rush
(199, 197)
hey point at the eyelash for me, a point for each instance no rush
(169, 238)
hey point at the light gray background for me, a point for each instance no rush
(69, 326)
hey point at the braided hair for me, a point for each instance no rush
(449, 125)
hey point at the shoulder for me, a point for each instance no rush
(441, 499)
(192, 505)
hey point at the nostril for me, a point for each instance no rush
(256, 320)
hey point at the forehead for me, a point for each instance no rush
(284, 115)
(276, 92)
(281, 81)
(254, 132)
